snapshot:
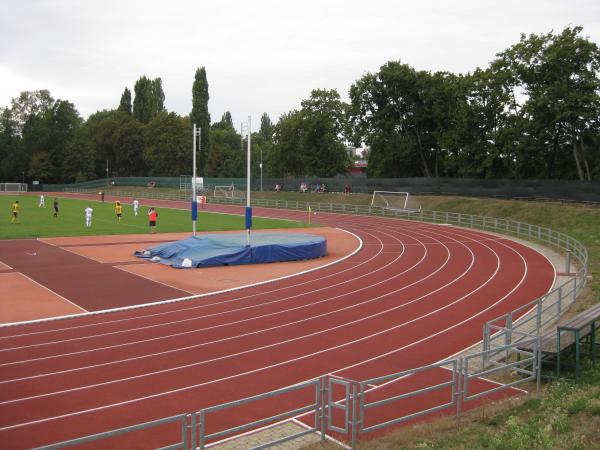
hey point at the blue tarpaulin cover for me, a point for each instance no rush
(231, 249)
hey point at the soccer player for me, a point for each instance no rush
(15, 208)
(136, 206)
(42, 202)
(118, 210)
(152, 216)
(88, 216)
(55, 206)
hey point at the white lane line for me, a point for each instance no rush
(206, 328)
(222, 313)
(281, 342)
(229, 377)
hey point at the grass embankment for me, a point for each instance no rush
(39, 222)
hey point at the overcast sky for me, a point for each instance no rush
(261, 55)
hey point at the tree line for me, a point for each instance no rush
(534, 112)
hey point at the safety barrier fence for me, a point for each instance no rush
(511, 345)
(346, 408)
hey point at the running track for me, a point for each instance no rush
(414, 294)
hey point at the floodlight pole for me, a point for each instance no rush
(196, 134)
(107, 173)
(261, 186)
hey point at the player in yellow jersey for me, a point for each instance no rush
(15, 208)
(118, 210)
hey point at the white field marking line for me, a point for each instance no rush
(50, 290)
(215, 326)
(220, 313)
(360, 246)
(4, 264)
(153, 280)
(189, 387)
(270, 345)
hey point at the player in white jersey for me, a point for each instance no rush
(88, 216)
(136, 206)
(42, 203)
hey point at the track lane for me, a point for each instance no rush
(346, 355)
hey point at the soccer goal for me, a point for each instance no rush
(225, 191)
(13, 187)
(395, 201)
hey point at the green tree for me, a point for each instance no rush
(117, 138)
(226, 123)
(45, 137)
(144, 104)
(167, 149)
(13, 161)
(200, 116)
(226, 159)
(558, 77)
(79, 157)
(388, 112)
(158, 96)
(125, 103)
(27, 104)
(266, 127)
(309, 142)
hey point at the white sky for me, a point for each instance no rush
(261, 55)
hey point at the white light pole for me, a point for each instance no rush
(107, 173)
(261, 169)
(196, 134)
(248, 128)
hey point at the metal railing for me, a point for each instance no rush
(315, 407)
(185, 422)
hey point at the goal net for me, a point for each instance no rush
(225, 191)
(395, 201)
(13, 187)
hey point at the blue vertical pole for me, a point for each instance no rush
(194, 197)
(248, 208)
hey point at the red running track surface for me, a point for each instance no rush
(414, 294)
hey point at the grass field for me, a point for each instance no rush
(39, 222)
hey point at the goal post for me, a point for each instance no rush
(13, 187)
(224, 191)
(395, 201)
